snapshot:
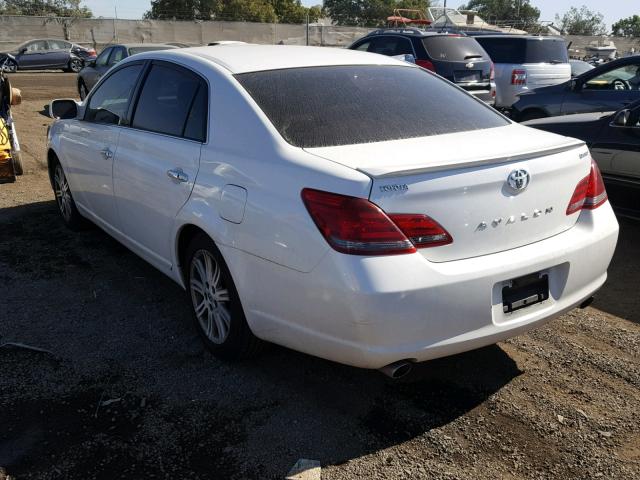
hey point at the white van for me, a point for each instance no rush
(524, 63)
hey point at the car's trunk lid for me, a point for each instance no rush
(460, 180)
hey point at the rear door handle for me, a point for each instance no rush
(178, 175)
(106, 153)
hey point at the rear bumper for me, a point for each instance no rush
(372, 311)
(487, 96)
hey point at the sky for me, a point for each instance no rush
(615, 9)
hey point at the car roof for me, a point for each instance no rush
(239, 58)
(414, 32)
(529, 37)
(141, 45)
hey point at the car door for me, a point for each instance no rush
(605, 91)
(58, 53)
(33, 55)
(89, 145)
(159, 156)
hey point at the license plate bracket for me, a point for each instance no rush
(467, 76)
(525, 291)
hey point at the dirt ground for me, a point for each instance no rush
(126, 390)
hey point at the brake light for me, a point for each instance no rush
(91, 51)
(426, 64)
(358, 227)
(519, 77)
(492, 74)
(590, 192)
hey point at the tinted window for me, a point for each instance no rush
(102, 59)
(524, 50)
(453, 49)
(116, 55)
(390, 46)
(341, 105)
(109, 103)
(165, 101)
(364, 46)
(196, 127)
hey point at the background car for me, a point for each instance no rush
(524, 63)
(614, 141)
(48, 53)
(578, 67)
(90, 74)
(458, 58)
(608, 87)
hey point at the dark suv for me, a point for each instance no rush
(458, 58)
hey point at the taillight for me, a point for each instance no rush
(492, 74)
(426, 64)
(358, 227)
(589, 193)
(91, 51)
(519, 77)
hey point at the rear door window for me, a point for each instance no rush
(166, 100)
(546, 51)
(346, 105)
(525, 50)
(450, 48)
(504, 50)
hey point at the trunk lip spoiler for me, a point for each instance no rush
(473, 163)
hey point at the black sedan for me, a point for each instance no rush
(48, 53)
(608, 87)
(614, 140)
(111, 55)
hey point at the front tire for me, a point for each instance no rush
(82, 90)
(64, 199)
(215, 303)
(10, 66)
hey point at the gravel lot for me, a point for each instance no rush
(127, 391)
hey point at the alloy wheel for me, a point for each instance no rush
(76, 65)
(210, 297)
(63, 193)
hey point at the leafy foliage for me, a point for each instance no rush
(504, 10)
(371, 13)
(581, 22)
(627, 27)
(285, 11)
(59, 8)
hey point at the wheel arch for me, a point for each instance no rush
(185, 235)
(52, 160)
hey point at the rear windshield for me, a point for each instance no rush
(454, 49)
(343, 105)
(525, 50)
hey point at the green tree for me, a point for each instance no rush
(504, 10)
(581, 22)
(370, 13)
(627, 27)
(60, 8)
(182, 9)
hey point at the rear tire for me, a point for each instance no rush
(64, 199)
(75, 65)
(215, 304)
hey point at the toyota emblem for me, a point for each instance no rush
(518, 180)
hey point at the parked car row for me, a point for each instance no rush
(344, 204)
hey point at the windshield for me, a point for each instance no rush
(343, 105)
(524, 50)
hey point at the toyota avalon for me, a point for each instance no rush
(340, 203)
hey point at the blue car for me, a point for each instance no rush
(47, 53)
(609, 87)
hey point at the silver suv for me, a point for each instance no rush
(524, 63)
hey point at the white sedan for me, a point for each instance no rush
(340, 203)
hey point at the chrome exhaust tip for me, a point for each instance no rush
(398, 369)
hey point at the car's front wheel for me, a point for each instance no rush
(66, 204)
(10, 66)
(215, 303)
(75, 65)
(82, 90)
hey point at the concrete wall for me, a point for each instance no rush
(101, 32)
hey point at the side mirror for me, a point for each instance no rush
(65, 108)
(621, 118)
(575, 84)
(407, 57)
